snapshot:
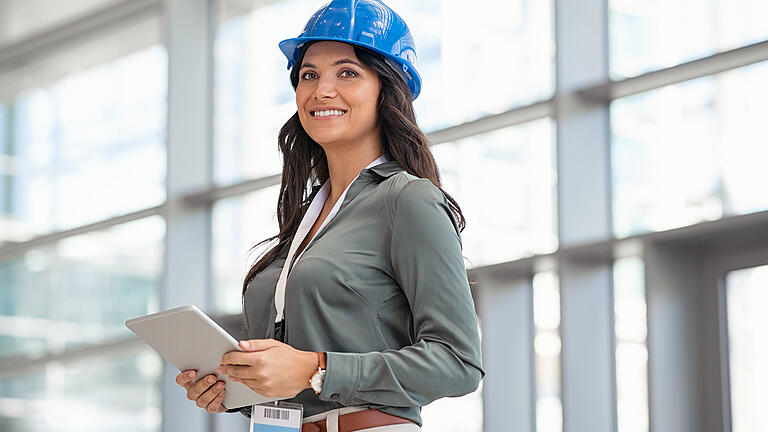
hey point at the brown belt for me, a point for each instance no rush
(357, 420)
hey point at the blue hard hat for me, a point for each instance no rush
(367, 23)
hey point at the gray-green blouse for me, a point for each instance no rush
(382, 289)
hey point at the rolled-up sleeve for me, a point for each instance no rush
(445, 360)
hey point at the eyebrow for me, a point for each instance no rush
(337, 62)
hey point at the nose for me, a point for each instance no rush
(326, 87)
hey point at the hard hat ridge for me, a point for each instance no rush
(367, 23)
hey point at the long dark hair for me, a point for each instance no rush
(304, 162)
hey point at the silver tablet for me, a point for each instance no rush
(189, 339)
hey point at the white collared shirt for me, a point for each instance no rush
(309, 219)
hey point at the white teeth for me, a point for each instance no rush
(327, 113)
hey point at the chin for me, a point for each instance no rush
(326, 138)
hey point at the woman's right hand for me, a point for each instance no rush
(207, 393)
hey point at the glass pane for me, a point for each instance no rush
(631, 329)
(505, 183)
(458, 45)
(690, 152)
(747, 301)
(80, 290)
(654, 34)
(89, 147)
(238, 224)
(120, 392)
(547, 347)
(477, 59)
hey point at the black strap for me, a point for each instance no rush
(279, 326)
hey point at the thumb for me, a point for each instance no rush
(258, 344)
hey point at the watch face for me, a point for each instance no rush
(317, 381)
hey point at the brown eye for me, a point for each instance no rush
(350, 71)
(304, 76)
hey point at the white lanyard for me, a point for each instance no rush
(309, 219)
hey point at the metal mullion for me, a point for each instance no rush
(13, 250)
(493, 122)
(717, 63)
(209, 196)
(21, 365)
(729, 230)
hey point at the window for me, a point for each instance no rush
(631, 331)
(648, 35)
(690, 152)
(477, 59)
(505, 184)
(106, 393)
(82, 140)
(238, 224)
(747, 301)
(547, 347)
(87, 147)
(80, 290)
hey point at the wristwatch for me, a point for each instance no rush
(317, 378)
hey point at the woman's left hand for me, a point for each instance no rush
(270, 368)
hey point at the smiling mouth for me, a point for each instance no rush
(328, 113)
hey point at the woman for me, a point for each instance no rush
(362, 311)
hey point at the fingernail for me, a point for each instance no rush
(245, 343)
(219, 386)
(210, 379)
(191, 374)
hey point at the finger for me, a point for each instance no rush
(239, 372)
(215, 405)
(237, 358)
(186, 377)
(209, 395)
(194, 391)
(259, 344)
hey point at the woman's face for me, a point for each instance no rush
(333, 79)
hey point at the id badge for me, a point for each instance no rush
(276, 416)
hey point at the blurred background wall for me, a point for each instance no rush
(609, 156)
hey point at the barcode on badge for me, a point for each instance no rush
(277, 414)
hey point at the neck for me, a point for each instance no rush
(344, 164)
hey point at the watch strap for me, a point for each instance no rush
(321, 360)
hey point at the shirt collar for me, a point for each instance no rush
(380, 160)
(387, 169)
